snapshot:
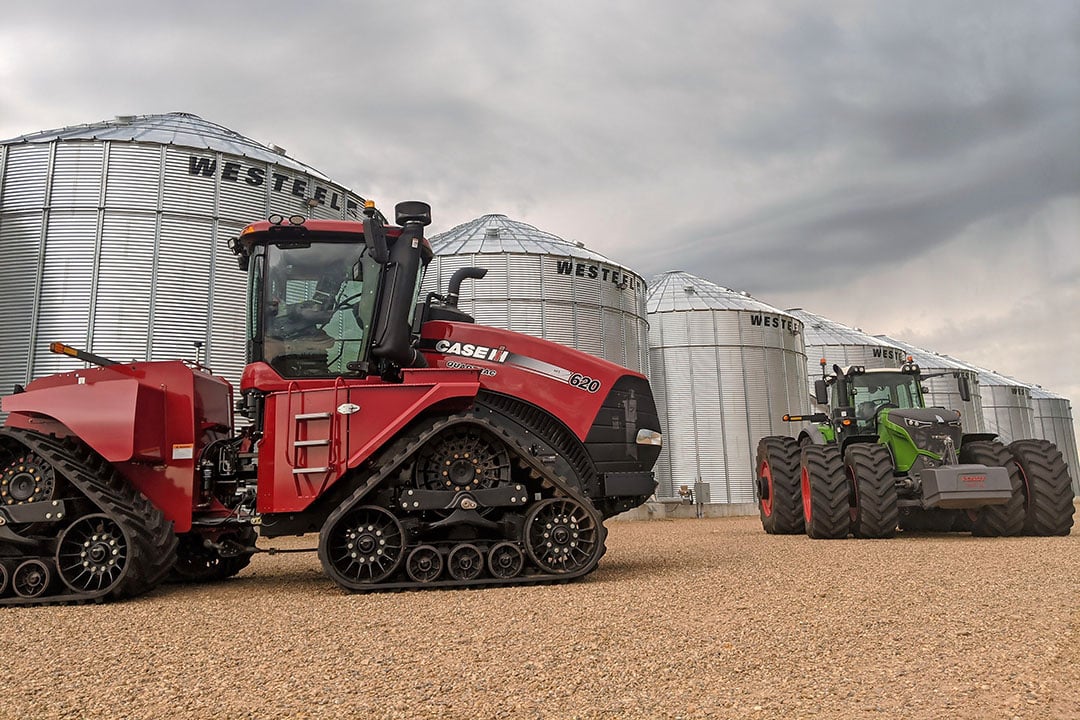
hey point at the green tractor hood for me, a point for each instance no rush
(909, 433)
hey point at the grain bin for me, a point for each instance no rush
(725, 369)
(542, 285)
(943, 391)
(842, 345)
(113, 238)
(1053, 421)
(1007, 406)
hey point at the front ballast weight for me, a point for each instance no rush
(462, 503)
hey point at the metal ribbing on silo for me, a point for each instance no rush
(113, 238)
(542, 285)
(944, 391)
(725, 369)
(1053, 421)
(1007, 406)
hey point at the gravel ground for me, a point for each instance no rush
(684, 618)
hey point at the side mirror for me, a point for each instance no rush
(821, 392)
(964, 386)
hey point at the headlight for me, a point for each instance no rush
(912, 422)
(649, 437)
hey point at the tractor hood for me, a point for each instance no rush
(931, 429)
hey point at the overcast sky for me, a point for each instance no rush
(910, 168)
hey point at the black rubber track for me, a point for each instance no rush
(825, 507)
(996, 520)
(409, 446)
(778, 472)
(874, 513)
(150, 537)
(1047, 487)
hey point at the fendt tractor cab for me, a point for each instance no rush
(879, 457)
(424, 449)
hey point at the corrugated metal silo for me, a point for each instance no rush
(1007, 406)
(842, 345)
(542, 285)
(113, 238)
(725, 369)
(944, 391)
(1053, 421)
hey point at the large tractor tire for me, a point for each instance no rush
(826, 509)
(874, 512)
(996, 520)
(1047, 487)
(778, 490)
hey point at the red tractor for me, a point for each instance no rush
(425, 450)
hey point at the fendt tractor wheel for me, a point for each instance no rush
(873, 511)
(561, 536)
(996, 520)
(826, 510)
(363, 548)
(778, 490)
(1047, 487)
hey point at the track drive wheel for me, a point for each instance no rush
(826, 509)
(93, 553)
(873, 512)
(364, 547)
(778, 489)
(561, 536)
(996, 520)
(1047, 487)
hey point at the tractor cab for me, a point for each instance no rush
(326, 300)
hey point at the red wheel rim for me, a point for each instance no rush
(805, 482)
(766, 475)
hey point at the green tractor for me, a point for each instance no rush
(880, 459)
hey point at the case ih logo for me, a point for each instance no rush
(973, 480)
(477, 352)
(256, 176)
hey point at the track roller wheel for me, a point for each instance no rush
(778, 492)
(505, 560)
(874, 512)
(561, 536)
(465, 562)
(996, 520)
(364, 547)
(424, 563)
(4, 577)
(93, 554)
(826, 510)
(1047, 487)
(31, 579)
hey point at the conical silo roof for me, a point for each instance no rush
(679, 290)
(176, 128)
(497, 233)
(925, 358)
(823, 331)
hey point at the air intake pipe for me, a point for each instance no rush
(453, 289)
